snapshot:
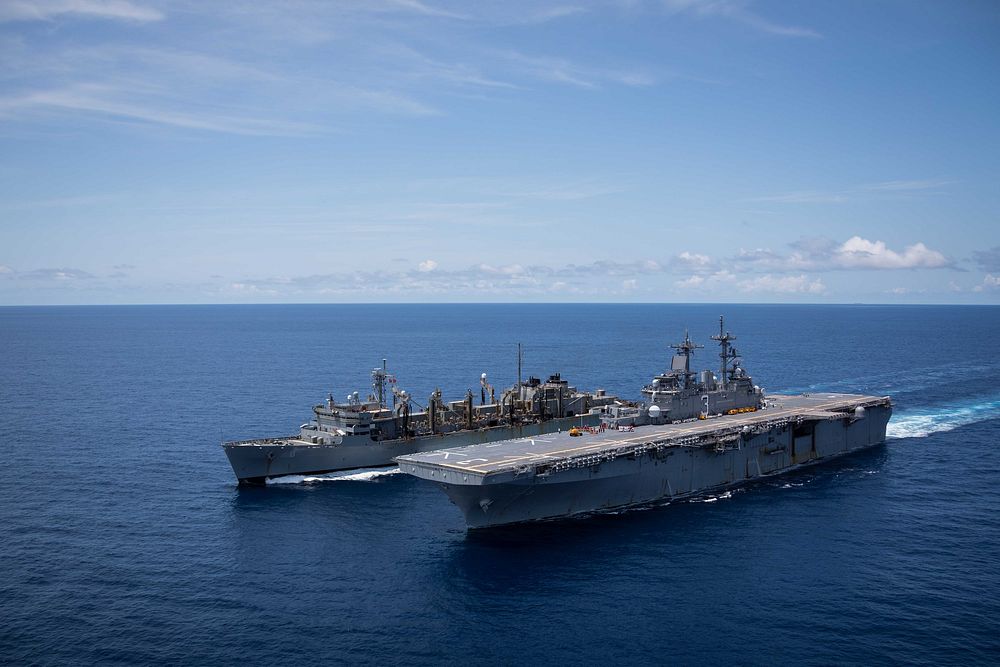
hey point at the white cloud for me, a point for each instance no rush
(565, 71)
(801, 284)
(427, 266)
(903, 186)
(421, 8)
(45, 10)
(902, 291)
(804, 197)
(692, 281)
(861, 253)
(708, 281)
(821, 254)
(693, 260)
(102, 100)
(736, 10)
(234, 75)
(630, 284)
(249, 288)
(55, 275)
(866, 191)
(510, 270)
(990, 283)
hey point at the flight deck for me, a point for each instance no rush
(511, 456)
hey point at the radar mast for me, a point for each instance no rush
(685, 349)
(728, 353)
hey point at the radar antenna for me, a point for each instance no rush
(728, 353)
(685, 349)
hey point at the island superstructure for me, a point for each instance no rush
(367, 433)
(695, 434)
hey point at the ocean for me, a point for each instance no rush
(125, 538)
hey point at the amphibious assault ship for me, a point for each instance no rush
(695, 434)
(368, 433)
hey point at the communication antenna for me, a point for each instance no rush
(379, 379)
(520, 359)
(728, 352)
(685, 349)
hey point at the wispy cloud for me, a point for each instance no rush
(397, 57)
(989, 259)
(546, 14)
(47, 10)
(564, 71)
(867, 190)
(426, 10)
(907, 186)
(102, 101)
(804, 197)
(739, 11)
(64, 275)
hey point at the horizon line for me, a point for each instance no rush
(497, 303)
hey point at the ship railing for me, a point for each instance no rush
(713, 439)
(264, 441)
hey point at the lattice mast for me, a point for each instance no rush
(728, 353)
(685, 349)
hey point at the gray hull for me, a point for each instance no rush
(612, 480)
(256, 461)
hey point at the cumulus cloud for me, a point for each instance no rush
(801, 284)
(706, 281)
(691, 260)
(902, 291)
(245, 288)
(990, 283)
(857, 252)
(820, 254)
(593, 279)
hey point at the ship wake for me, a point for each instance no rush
(360, 475)
(920, 424)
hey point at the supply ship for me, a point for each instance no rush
(693, 434)
(368, 433)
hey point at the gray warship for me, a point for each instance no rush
(369, 433)
(693, 434)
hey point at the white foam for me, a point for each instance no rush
(360, 475)
(945, 418)
(725, 495)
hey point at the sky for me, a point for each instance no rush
(830, 151)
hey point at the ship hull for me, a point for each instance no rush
(672, 474)
(255, 463)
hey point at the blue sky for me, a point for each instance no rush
(429, 150)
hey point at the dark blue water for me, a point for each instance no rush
(124, 538)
